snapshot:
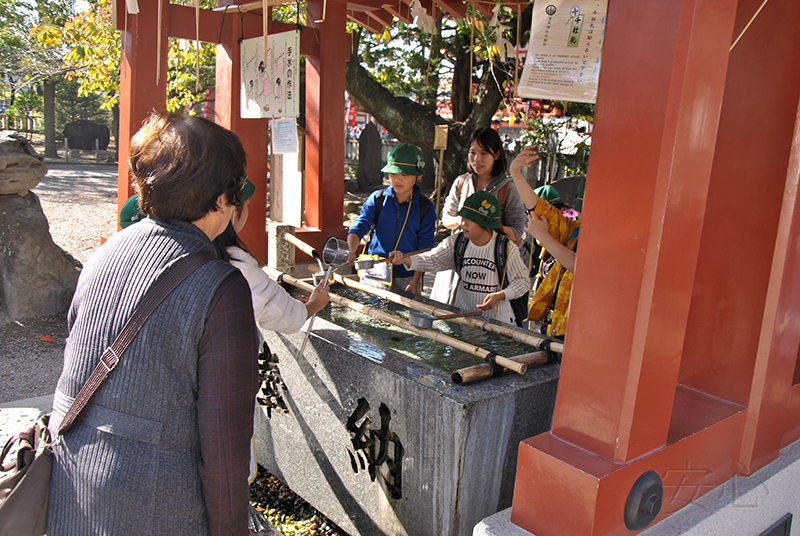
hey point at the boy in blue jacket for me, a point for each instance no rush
(398, 218)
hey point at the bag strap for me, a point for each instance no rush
(179, 272)
(459, 249)
(501, 258)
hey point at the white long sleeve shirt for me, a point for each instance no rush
(479, 275)
(273, 307)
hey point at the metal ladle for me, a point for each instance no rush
(334, 254)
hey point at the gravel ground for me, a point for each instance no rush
(80, 202)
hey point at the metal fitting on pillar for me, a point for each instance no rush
(644, 501)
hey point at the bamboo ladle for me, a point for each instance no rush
(366, 264)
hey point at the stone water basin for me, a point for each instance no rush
(379, 438)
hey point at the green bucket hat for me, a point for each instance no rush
(579, 196)
(548, 193)
(130, 213)
(405, 159)
(483, 208)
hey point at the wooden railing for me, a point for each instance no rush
(20, 124)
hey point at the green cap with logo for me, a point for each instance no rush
(405, 159)
(130, 213)
(483, 208)
(548, 193)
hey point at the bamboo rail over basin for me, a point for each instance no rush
(482, 353)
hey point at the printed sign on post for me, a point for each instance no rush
(284, 136)
(271, 87)
(563, 60)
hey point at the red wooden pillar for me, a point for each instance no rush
(324, 145)
(140, 91)
(254, 133)
(690, 240)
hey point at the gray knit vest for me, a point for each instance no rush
(130, 464)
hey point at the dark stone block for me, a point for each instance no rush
(459, 443)
(369, 174)
(81, 134)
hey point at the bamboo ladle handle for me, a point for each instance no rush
(457, 315)
(405, 255)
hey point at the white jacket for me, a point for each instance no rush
(274, 309)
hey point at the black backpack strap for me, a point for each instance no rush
(501, 256)
(424, 207)
(459, 248)
(378, 206)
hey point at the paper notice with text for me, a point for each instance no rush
(563, 60)
(284, 136)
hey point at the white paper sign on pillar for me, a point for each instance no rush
(287, 170)
(563, 59)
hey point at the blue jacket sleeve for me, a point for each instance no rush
(365, 218)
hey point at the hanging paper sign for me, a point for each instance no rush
(270, 87)
(284, 136)
(563, 60)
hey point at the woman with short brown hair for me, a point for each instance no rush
(163, 447)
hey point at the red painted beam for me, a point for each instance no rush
(761, 360)
(215, 27)
(400, 10)
(366, 5)
(483, 7)
(360, 17)
(140, 90)
(324, 144)
(561, 489)
(383, 17)
(455, 8)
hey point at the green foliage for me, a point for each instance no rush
(420, 63)
(538, 133)
(182, 91)
(26, 104)
(185, 89)
(71, 105)
(55, 12)
(93, 51)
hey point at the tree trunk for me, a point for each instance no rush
(50, 118)
(415, 123)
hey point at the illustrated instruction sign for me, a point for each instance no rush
(563, 60)
(270, 87)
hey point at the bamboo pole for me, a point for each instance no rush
(302, 246)
(533, 339)
(484, 370)
(519, 368)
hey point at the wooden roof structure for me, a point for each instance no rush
(375, 15)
